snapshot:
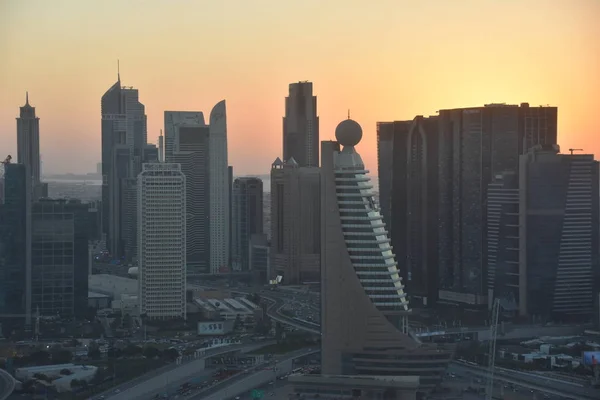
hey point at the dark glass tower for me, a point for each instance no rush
(247, 218)
(15, 245)
(60, 263)
(475, 145)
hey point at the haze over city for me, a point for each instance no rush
(385, 61)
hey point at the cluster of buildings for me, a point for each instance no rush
(481, 205)
(44, 243)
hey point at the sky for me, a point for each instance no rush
(384, 60)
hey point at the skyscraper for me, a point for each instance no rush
(408, 192)
(543, 236)
(247, 218)
(301, 125)
(202, 152)
(28, 147)
(15, 243)
(220, 189)
(161, 241)
(124, 138)
(363, 303)
(476, 144)
(59, 264)
(295, 216)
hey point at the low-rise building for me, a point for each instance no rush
(355, 386)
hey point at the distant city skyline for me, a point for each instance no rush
(379, 68)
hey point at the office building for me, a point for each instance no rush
(202, 152)
(295, 216)
(476, 144)
(301, 125)
(161, 241)
(543, 236)
(364, 307)
(28, 147)
(247, 218)
(259, 257)
(59, 263)
(124, 138)
(187, 143)
(230, 185)
(15, 245)
(409, 194)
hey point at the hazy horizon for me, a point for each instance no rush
(390, 62)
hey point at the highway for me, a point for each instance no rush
(549, 386)
(172, 375)
(258, 377)
(7, 384)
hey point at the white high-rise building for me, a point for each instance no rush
(162, 241)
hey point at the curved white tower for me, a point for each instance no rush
(219, 188)
(364, 231)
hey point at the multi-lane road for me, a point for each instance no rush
(173, 375)
(257, 377)
(7, 384)
(549, 386)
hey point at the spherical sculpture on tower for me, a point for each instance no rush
(348, 133)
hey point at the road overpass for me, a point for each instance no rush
(153, 383)
(7, 384)
(564, 389)
(258, 377)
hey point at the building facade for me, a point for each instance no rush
(28, 147)
(124, 140)
(547, 253)
(408, 192)
(247, 218)
(202, 151)
(259, 257)
(295, 216)
(187, 140)
(301, 125)
(60, 262)
(162, 241)
(15, 243)
(364, 307)
(476, 144)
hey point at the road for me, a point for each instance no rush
(154, 382)
(274, 311)
(240, 384)
(7, 384)
(549, 386)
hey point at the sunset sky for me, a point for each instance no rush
(382, 59)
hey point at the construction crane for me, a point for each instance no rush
(573, 150)
(492, 349)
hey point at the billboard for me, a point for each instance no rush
(591, 357)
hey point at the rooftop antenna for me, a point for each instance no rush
(26, 98)
(118, 71)
(348, 113)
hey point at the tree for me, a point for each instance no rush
(94, 353)
(75, 383)
(62, 356)
(151, 352)
(65, 371)
(132, 350)
(170, 354)
(40, 357)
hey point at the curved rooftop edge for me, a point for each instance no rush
(7, 384)
(218, 115)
